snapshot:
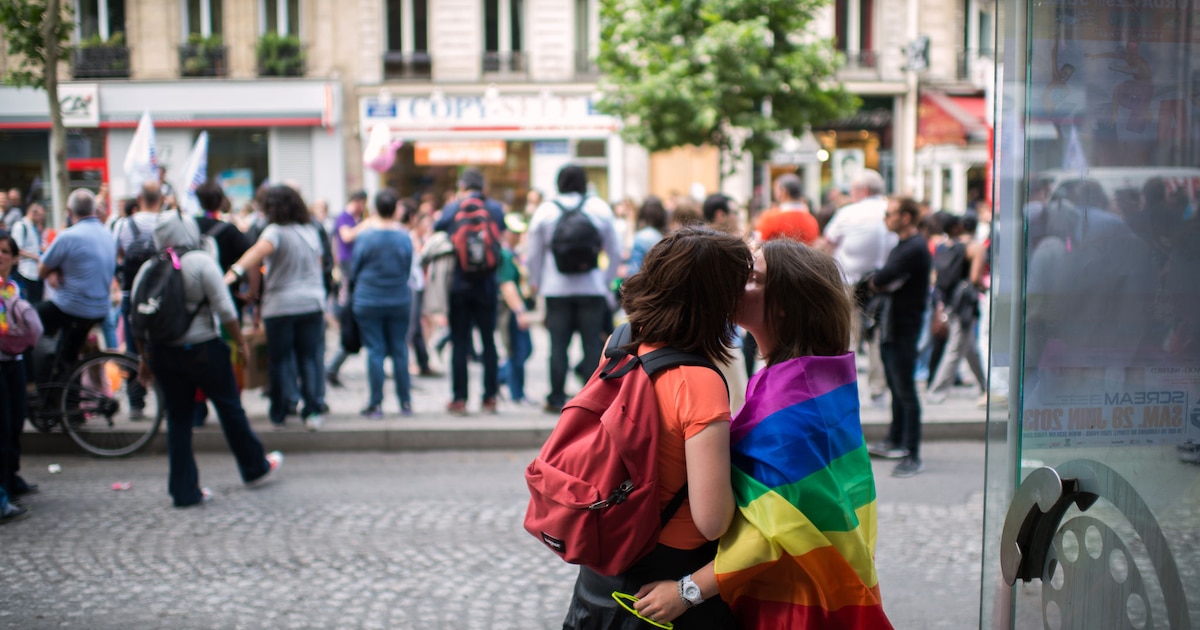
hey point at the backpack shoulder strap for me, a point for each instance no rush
(665, 358)
(216, 229)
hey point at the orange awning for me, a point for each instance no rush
(951, 120)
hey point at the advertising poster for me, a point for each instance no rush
(239, 186)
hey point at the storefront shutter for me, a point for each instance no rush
(292, 158)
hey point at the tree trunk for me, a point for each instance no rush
(58, 134)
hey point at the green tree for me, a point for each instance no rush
(37, 33)
(727, 73)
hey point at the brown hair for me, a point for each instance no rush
(805, 303)
(687, 291)
(906, 205)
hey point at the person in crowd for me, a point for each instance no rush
(959, 298)
(800, 437)
(860, 241)
(472, 304)
(134, 235)
(231, 242)
(652, 224)
(575, 302)
(381, 269)
(28, 234)
(684, 214)
(344, 233)
(200, 361)
(791, 218)
(12, 398)
(516, 305)
(417, 221)
(79, 267)
(684, 297)
(719, 214)
(292, 304)
(10, 211)
(905, 280)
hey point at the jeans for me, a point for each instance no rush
(137, 393)
(565, 316)
(470, 310)
(109, 328)
(12, 424)
(520, 346)
(384, 330)
(416, 336)
(179, 371)
(960, 344)
(72, 334)
(294, 345)
(900, 367)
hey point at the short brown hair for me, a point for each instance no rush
(687, 291)
(906, 205)
(805, 303)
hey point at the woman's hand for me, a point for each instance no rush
(660, 601)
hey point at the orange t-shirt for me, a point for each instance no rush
(689, 399)
(798, 225)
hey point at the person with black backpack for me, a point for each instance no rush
(566, 238)
(960, 302)
(179, 297)
(134, 236)
(474, 224)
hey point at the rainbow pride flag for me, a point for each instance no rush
(801, 550)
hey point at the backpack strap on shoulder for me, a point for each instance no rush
(664, 358)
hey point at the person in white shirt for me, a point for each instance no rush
(28, 234)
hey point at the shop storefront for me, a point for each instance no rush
(258, 131)
(519, 140)
(953, 150)
(1093, 484)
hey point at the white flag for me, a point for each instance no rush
(195, 172)
(141, 164)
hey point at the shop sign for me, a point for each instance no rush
(80, 104)
(453, 152)
(525, 111)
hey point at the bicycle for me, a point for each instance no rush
(92, 406)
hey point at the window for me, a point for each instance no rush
(587, 36)
(408, 25)
(280, 16)
(503, 30)
(203, 17)
(853, 31)
(99, 19)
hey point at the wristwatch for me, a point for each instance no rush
(689, 592)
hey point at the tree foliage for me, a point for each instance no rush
(728, 73)
(23, 22)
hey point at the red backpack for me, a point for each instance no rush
(594, 485)
(476, 238)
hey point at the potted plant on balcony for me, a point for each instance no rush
(280, 56)
(97, 57)
(203, 56)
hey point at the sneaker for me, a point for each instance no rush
(137, 413)
(27, 489)
(274, 463)
(406, 409)
(427, 372)
(879, 400)
(333, 380)
(313, 422)
(552, 408)
(10, 512)
(887, 450)
(935, 398)
(489, 406)
(457, 407)
(206, 495)
(374, 412)
(908, 467)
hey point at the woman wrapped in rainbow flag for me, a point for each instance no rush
(800, 551)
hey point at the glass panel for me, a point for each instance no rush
(395, 31)
(232, 153)
(581, 29)
(491, 25)
(1096, 255)
(87, 15)
(420, 26)
(215, 10)
(116, 16)
(591, 148)
(193, 16)
(518, 23)
(271, 15)
(85, 143)
(293, 17)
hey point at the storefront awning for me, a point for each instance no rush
(951, 120)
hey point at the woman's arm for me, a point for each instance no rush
(252, 259)
(709, 491)
(660, 601)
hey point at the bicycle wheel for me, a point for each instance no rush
(44, 407)
(96, 406)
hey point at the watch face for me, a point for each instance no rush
(691, 591)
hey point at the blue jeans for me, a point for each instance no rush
(179, 371)
(137, 393)
(470, 310)
(294, 345)
(900, 366)
(520, 346)
(384, 330)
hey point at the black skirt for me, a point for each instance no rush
(593, 607)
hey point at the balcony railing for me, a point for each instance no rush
(101, 61)
(202, 60)
(504, 62)
(280, 56)
(586, 65)
(399, 65)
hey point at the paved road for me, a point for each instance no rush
(396, 540)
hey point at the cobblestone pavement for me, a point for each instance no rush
(368, 540)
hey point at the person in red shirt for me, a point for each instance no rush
(791, 218)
